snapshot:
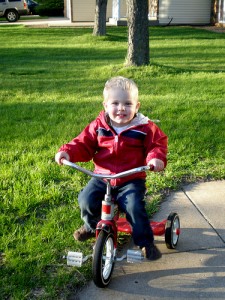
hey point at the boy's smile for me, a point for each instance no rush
(120, 107)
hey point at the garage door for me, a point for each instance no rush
(184, 11)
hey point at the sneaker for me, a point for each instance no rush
(151, 252)
(82, 234)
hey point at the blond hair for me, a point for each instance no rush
(122, 83)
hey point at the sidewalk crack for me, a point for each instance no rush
(206, 219)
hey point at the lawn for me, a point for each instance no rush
(51, 83)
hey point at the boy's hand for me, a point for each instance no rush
(60, 155)
(157, 163)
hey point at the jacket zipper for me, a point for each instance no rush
(116, 140)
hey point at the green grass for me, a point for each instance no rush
(51, 83)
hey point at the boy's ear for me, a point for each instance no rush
(138, 106)
(105, 105)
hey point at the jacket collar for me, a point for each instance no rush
(139, 119)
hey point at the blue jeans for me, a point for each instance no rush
(130, 199)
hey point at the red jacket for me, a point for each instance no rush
(112, 153)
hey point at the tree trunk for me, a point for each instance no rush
(100, 18)
(214, 12)
(138, 33)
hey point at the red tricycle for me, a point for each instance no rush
(105, 249)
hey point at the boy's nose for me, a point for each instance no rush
(121, 107)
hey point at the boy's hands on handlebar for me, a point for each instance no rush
(60, 155)
(157, 163)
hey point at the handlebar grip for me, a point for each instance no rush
(151, 168)
(62, 160)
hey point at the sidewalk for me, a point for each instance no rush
(195, 270)
(48, 22)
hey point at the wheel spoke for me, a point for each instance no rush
(176, 226)
(107, 259)
(103, 259)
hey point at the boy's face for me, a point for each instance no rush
(121, 107)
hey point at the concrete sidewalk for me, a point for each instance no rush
(195, 270)
(33, 21)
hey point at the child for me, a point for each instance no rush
(119, 139)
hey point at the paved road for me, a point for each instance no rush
(195, 270)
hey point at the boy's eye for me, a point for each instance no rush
(126, 103)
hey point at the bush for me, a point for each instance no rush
(50, 8)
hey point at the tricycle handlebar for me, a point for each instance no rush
(107, 176)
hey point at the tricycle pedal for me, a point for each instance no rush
(134, 256)
(76, 259)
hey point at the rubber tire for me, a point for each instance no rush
(101, 272)
(12, 15)
(172, 224)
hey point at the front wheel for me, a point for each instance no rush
(103, 259)
(172, 231)
(12, 15)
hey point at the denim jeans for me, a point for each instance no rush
(130, 200)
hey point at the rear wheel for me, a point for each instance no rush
(103, 259)
(172, 231)
(12, 15)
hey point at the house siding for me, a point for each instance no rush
(184, 11)
(84, 11)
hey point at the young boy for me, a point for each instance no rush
(119, 139)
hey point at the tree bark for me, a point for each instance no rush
(100, 18)
(214, 12)
(138, 33)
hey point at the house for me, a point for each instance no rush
(174, 12)
(83, 11)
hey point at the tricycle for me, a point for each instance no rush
(104, 254)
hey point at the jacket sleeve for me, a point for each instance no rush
(83, 147)
(156, 144)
